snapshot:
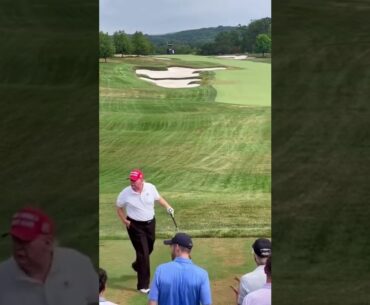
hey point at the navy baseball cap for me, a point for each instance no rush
(181, 239)
(262, 247)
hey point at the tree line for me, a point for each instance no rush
(252, 38)
(121, 43)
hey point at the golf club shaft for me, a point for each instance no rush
(174, 221)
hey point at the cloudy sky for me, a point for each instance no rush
(167, 16)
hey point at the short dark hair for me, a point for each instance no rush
(102, 279)
(268, 267)
(184, 249)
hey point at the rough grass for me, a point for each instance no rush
(211, 161)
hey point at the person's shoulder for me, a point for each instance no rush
(149, 185)
(126, 190)
(71, 256)
(8, 270)
(166, 265)
(166, 268)
(6, 266)
(200, 270)
(256, 272)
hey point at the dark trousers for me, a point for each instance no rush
(142, 236)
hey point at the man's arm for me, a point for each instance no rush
(151, 302)
(205, 291)
(242, 291)
(122, 215)
(166, 205)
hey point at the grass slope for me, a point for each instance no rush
(211, 161)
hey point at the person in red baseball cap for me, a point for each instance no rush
(135, 208)
(38, 269)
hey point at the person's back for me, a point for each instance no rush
(180, 282)
(261, 296)
(257, 278)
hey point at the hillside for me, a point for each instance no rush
(192, 37)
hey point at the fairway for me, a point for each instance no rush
(246, 82)
(222, 258)
(210, 160)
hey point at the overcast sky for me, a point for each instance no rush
(168, 16)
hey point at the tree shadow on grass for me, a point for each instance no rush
(121, 282)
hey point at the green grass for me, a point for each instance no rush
(246, 82)
(210, 160)
(222, 258)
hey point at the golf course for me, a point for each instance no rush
(208, 151)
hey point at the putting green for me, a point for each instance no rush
(246, 82)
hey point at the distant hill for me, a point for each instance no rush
(191, 37)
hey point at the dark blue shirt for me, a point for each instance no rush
(180, 282)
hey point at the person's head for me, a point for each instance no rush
(261, 250)
(136, 180)
(181, 245)
(102, 280)
(32, 233)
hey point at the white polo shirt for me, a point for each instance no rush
(139, 206)
(251, 281)
(72, 280)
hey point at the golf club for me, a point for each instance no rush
(174, 221)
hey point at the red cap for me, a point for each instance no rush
(29, 223)
(136, 174)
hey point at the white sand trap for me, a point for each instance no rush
(173, 83)
(174, 77)
(174, 72)
(239, 57)
(162, 58)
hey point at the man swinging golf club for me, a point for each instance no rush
(135, 208)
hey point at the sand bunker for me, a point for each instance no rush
(174, 72)
(177, 83)
(174, 77)
(233, 56)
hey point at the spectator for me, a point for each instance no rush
(261, 296)
(41, 273)
(102, 287)
(180, 282)
(256, 279)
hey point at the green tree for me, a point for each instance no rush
(263, 44)
(141, 44)
(106, 46)
(249, 33)
(122, 42)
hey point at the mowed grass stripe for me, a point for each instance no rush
(210, 160)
